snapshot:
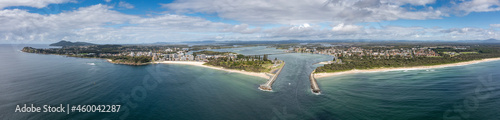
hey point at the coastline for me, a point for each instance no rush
(322, 63)
(321, 75)
(200, 64)
(125, 63)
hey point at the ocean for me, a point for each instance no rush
(169, 91)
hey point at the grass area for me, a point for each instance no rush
(435, 56)
(269, 67)
(272, 69)
(459, 53)
(468, 52)
(449, 52)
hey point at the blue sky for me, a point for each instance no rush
(148, 21)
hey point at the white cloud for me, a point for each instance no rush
(304, 32)
(479, 6)
(31, 3)
(95, 24)
(412, 2)
(107, 0)
(125, 5)
(346, 28)
(102, 24)
(495, 25)
(343, 31)
(179, 23)
(310, 11)
(243, 28)
(22, 25)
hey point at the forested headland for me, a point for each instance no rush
(446, 55)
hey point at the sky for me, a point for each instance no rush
(149, 21)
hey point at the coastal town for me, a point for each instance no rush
(377, 52)
(366, 58)
(250, 59)
(345, 57)
(118, 51)
(256, 65)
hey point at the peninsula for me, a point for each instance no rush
(231, 62)
(376, 57)
(382, 69)
(125, 54)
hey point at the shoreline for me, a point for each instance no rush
(321, 75)
(200, 64)
(125, 63)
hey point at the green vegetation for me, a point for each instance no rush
(349, 63)
(138, 60)
(247, 63)
(357, 63)
(468, 52)
(68, 43)
(94, 53)
(211, 53)
(284, 46)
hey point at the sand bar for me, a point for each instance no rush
(321, 75)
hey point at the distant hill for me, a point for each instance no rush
(481, 41)
(492, 41)
(68, 43)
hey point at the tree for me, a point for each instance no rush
(240, 56)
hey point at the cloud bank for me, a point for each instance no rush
(257, 20)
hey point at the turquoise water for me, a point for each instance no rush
(164, 91)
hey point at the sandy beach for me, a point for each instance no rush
(194, 63)
(324, 62)
(321, 75)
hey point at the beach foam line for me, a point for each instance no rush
(264, 90)
(200, 64)
(318, 93)
(321, 75)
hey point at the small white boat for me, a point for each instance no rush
(90, 63)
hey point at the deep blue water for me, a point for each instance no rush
(162, 91)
